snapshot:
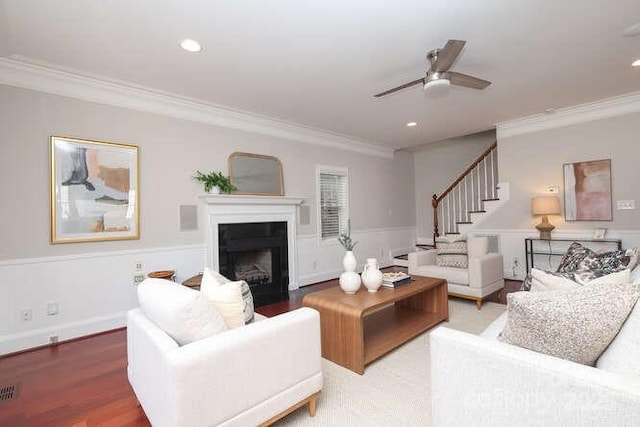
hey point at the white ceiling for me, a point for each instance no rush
(318, 63)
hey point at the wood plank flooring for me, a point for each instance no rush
(84, 382)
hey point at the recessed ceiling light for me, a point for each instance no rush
(636, 63)
(190, 45)
(412, 124)
(633, 30)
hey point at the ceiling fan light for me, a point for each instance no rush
(437, 87)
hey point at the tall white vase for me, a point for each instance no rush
(371, 275)
(349, 280)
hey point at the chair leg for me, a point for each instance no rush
(479, 304)
(312, 406)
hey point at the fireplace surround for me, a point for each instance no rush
(262, 231)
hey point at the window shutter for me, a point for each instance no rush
(333, 203)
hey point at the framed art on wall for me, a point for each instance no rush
(94, 191)
(587, 191)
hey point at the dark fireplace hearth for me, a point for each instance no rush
(257, 253)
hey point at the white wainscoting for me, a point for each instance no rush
(94, 291)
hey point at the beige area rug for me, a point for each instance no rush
(394, 391)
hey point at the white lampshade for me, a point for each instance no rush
(545, 205)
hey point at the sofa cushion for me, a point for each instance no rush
(576, 324)
(552, 281)
(226, 297)
(622, 354)
(455, 275)
(183, 313)
(451, 253)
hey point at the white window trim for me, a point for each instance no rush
(338, 171)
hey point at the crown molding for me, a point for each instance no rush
(603, 109)
(46, 78)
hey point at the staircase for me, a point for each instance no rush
(471, 197)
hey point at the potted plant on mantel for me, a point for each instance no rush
(215, 182)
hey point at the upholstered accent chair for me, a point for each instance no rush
(482, 277)
(250, 375)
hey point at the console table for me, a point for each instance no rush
(557, 247)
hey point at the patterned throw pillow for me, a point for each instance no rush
(573, 257)
(553, 323)
(608, 262)
(452, 253)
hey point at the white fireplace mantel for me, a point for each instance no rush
(236, 209)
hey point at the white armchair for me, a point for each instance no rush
(252, 375)
(483, 276)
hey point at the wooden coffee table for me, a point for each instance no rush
(358, 329)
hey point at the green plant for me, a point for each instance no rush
(215, 179)
(345, 238)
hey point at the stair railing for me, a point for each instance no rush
(467, 194)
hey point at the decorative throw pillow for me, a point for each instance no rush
(183, 313)
(576, 325)
(553, 281)
(608, 262)
(213, 277)
(227, 298)
(451, 253)
(572, 258)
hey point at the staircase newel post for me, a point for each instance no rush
(434, 203)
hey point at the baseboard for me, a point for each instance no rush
(38, 337)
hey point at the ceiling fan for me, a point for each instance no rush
(438, 73)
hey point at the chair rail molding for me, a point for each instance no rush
(41, 76)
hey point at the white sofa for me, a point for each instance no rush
(479, 381)
(483, 277)
(242, 377)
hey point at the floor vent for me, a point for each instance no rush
(8, 392)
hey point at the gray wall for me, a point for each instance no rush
(437, 165)
(381, 190)
(533, 161)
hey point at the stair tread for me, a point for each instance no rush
(477, 211)
(464, 222)
(489, 200)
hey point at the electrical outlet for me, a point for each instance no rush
(26, 315)
(53, 339)
(138, 265)
(137, 278)
(516, 262)
(314, 265)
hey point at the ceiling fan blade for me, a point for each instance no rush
(460, 79)
(395, 89)
(447, 55)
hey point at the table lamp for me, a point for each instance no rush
(545, 205)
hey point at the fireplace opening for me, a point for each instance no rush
(256, 253)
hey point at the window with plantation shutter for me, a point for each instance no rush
(333, 197)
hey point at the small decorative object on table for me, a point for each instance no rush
(349, 280)
(395, 278)
(371, 275)
(214, 182)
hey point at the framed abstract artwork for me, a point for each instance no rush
(94, 191)
(587, 191)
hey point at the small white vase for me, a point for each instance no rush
(349, 282)
(371, 275)
(349, 261)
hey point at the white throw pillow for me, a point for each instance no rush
(183, 313)
(542, 281)
(212, 277)
(226, 297)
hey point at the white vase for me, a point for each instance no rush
(349, 261)
(214, 190)
(349, 282)
(371, 275)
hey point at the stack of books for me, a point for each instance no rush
(395, 279)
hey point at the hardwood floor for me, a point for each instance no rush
(84, 382)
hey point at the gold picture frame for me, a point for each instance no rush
(256, 174)
(94, 190)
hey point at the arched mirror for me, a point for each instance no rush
(256, 174)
